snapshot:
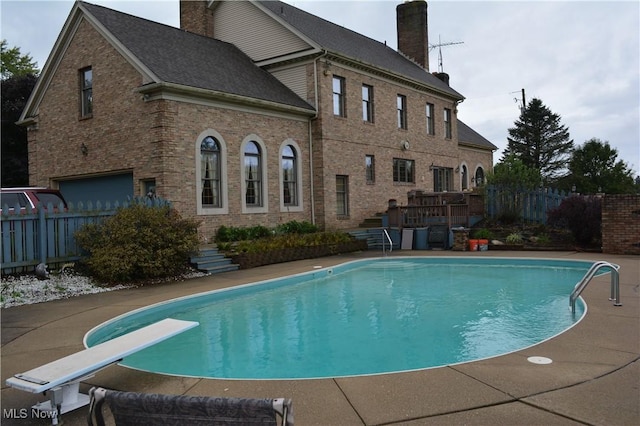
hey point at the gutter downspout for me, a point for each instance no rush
(315, 88)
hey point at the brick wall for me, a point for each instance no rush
(155, 139)
(346, 140)
(118, 135)
(621, 224)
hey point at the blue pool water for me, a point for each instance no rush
(364, 317)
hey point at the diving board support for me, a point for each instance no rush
(60, 379)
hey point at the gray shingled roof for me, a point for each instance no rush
(188, 59)
(340, 40)
(468, 136)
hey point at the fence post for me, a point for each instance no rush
(42, 235)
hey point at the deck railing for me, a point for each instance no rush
(450, 215)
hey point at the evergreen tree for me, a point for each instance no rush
(540, 141)
(594, 168)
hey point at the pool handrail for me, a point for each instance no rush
(582, 284)
(386, 234)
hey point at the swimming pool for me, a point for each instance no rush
(363, 317)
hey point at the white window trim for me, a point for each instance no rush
(201, 211)
(264, 208)
(298, 152)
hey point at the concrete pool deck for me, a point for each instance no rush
(594, 378)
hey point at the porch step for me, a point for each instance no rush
(210, 261)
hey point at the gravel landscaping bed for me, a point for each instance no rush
(28, 288)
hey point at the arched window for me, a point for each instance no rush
(289, 176)
(479, 179)
(253, 174)
(210, 172)
(465, 177)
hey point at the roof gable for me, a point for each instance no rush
(183, 58)
(348, 43)
(164, 54)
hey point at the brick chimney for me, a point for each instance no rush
(442, 76)
(196, 17)
(413, 36)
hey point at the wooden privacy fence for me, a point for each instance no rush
(47, 236)
(521, 204)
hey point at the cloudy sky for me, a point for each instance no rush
(581, 58)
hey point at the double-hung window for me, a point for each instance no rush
(401, 105)
(86, 92)
(367, 103)
(339, 102)
(370, 167)
(431, 128)
(342, 195)
(403, 170)
(447, 123)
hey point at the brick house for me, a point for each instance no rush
(290, 118)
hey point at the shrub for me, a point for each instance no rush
(482, 234)
(232, 233)
(138, 242)
(295, 227)
(582, 216)
(258, 231)
(543, 239)
(514, 238)
(287, 241)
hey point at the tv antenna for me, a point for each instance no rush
(439, 47)
(522, 106)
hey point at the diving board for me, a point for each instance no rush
(61, 379)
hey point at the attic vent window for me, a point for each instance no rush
(86, 92)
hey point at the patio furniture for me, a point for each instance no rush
(143, 409)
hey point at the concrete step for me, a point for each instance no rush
(374, 237)
(209, 260)
(217, 269)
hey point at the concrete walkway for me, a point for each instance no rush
(594, 378)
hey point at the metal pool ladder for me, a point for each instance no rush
(615, 283)
(386, 234)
